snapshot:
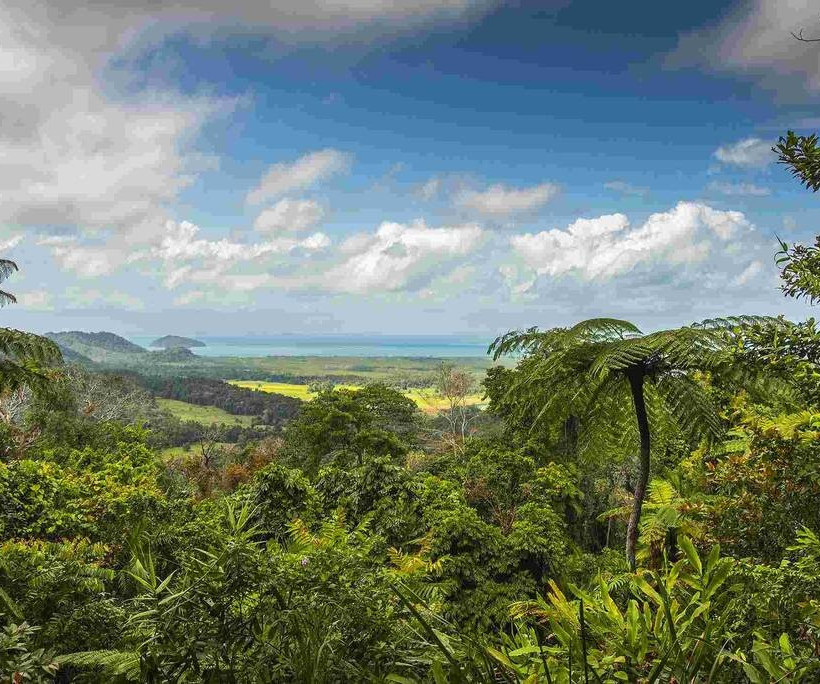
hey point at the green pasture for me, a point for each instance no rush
(207, 415)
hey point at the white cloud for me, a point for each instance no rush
(315, 242)
(398, 256)
(289, 216)
(36, 300)
(749, 273)
(748, 153)
(756, 40)
(87, 260)
(626, 188)
(192, 258)
(147, 21)
(739, 189)
(499, 200)
(606, 246)
(81, 157)
(283, 177)
(10, 243)
(430, 188)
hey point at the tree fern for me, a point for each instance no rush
(7, 267)
(624, 385)
(23, 357)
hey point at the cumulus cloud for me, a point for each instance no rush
(739, 189)
(499, 200)
(72, 156)
(608, 246)
(283, 177)
(398, 256)
(747, 153)
(88, 259)
(289, 216)
(755, 41)
(181, 245)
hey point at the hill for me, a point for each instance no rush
(98, 347)
(71, 356)
(176, 342)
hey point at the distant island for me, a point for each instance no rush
(176, 342)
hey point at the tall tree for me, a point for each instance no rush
(611, 375)
(23, 356)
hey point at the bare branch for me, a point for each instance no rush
(799, 36)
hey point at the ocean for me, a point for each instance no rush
(333, 345)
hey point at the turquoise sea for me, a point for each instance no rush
(333, 345)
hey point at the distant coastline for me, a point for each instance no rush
(334, 345)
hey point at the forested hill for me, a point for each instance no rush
(176, 342)
(71, 356)
(99, 346)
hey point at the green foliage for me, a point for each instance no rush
(762, 483)
(345, 423)
(19, 660)
(801, 154)
(77, 492)
(280, 495)
(355, 546)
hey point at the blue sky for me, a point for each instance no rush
(386, 166)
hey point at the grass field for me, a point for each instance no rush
(207, 415)
(192, 451)
(425, 399)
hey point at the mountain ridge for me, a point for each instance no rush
(97, 346)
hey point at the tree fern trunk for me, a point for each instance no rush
(636, 385)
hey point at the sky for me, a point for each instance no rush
(399, 167)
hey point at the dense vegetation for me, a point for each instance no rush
(270, 408)
(629, 507)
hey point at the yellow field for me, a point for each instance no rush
(286, 388)
(425, 399)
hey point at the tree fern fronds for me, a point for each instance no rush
(7, 267)
(515, 341)
(7, 298)
(118, 663)
(9, 605)
(691, 406)
(602, 330)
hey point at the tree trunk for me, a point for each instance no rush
(636, 385)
